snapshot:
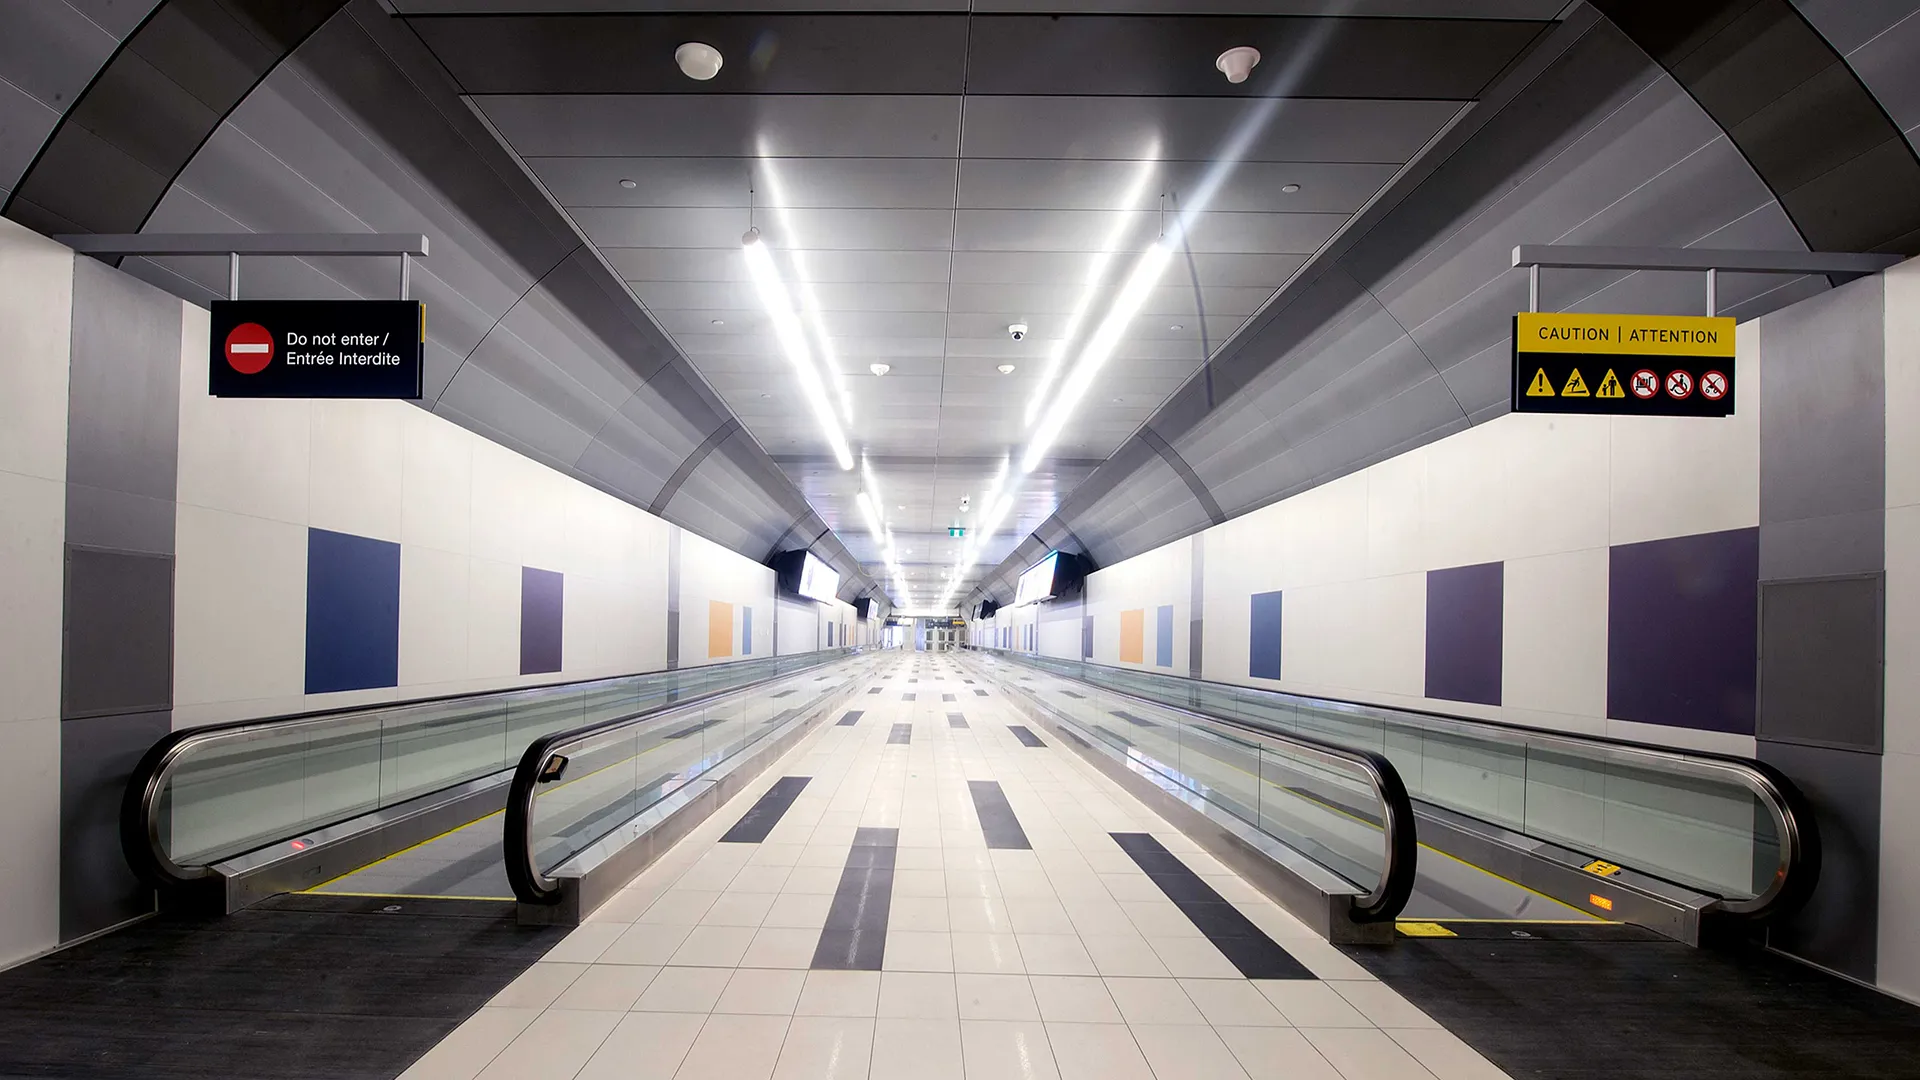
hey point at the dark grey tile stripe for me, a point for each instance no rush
(766, 812)
(980, 693)
(908, 697)
(997, 821)
(901, 735)
(948, 697)
(874, 690)
(956, 720)
(1072, 694)
(851, 717)
(1235, 935)
(855, 935)
(782, 693)
(969, 682)
(913, 680)
(1132, 719)
(1026, 737)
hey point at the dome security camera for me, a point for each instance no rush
(1017, 331)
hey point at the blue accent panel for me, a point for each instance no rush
(1163, 636)
(1466, 609)
(829, 635)
(746, 630)
(542, 599)
(1682, 631)
(353, 612)
(1263, 637)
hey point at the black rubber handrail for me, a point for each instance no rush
(139, 803)
(1793, 881)
(1399, 870)
(530, 886)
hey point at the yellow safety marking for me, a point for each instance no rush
(1576, 386)
(1623, 335)
(402, 896)
(1424, 929)
(1542, 922)
(1600, 902)
(1540, 386)
(1610, 387)
(397, 854)
(1601, 867)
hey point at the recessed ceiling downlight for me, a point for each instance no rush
(629, 184)
(879, 369)
(1006, 369)
(1237, 63)
(1289, 188)
(698, 60)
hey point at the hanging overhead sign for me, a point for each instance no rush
(1622, 365)
(317, 348)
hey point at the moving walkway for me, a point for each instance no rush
(406, 800)
(1512, 823)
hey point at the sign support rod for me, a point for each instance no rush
(1713, 292)
(1837, 264)
(234, 245)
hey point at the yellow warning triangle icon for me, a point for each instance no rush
(1610, 387)
(1576, 386)
(1540, 386)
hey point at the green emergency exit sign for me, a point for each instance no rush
(956, 530)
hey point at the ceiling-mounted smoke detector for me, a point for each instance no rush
(1237, 63)
(701, 61)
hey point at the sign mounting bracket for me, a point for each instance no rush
(234, 245)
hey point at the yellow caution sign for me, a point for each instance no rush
(1541, 387)
(1624, 335)
(1424, 929)
(1601, 867)
(1576, 386)
(1610, 387)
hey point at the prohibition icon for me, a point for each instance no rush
(1644, 384)
(249, 348)
(1679, 385)
(1713, 386)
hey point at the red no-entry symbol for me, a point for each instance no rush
(1679, 385)
(1644, 384)
(1713, 386)
(249, 348)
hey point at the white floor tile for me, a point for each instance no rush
(1126, 955)
(916, 950)
(645, 1046)
(995, 997)
(651, 944)
(1006, 1050)
(826, 1048)
(918, 995)
(781, 947)
(1232, 1003)
(989, 953)
(713, 946)
(684, 989)
(558, 1043)
(1276, 1053)
(738, 909)
(840, 993)
(609, 987)
(1365, 1054)
(585, 943)
(1445, 1055)
(1055, 954)
(1186, 1052)
(1308, 1003)
(906, 1049)
(1383, 1005)
(475, 1043)
(1097, 1052)
(732, 1047)
(1153, 1001)
(761, 991)
(538, 986)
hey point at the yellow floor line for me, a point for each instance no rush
(403, 896)
(397, 854)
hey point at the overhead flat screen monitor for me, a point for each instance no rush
(803, 574)
(863, 608)
(1057, 575)
(987, 609)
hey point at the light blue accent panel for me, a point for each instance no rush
(1163, 636)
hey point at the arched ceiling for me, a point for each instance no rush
(944, 169)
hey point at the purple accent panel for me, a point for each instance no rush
(1465, 611)
(1682, 622)
(541, 593)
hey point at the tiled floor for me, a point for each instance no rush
(1064, 959)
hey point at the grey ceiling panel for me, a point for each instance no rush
(721, 264)
(821, 125)
(1054, 267)
(24, 124)
(1088, 230)
(1169, 56)
(1430, 9)
(1884, 60)
(898, 183)
(777, 54)
(697, 227)
(995, 183)
(51, 50)
(1018, 301)
(116, 17)
(1306, 129)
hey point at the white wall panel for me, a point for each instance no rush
(436, 504)
(493, 621)
(434, 616)
(239, 613)
(357, 466)
(1554, 664)
(36, 304)
(30, 837)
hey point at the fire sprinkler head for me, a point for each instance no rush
(1238, 62)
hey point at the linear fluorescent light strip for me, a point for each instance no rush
(786, 326)
(804, 284)
(1146, 273)
(1096, 273)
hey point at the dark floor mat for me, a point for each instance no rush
(1571, 1009)
(297, 987)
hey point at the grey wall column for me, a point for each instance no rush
(1822, 563)
(673, 597)
(116, 679)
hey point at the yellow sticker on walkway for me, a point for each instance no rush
(1601, 867)
(1424, 929)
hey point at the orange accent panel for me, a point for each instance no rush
(1133, 636)
(719, 629)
